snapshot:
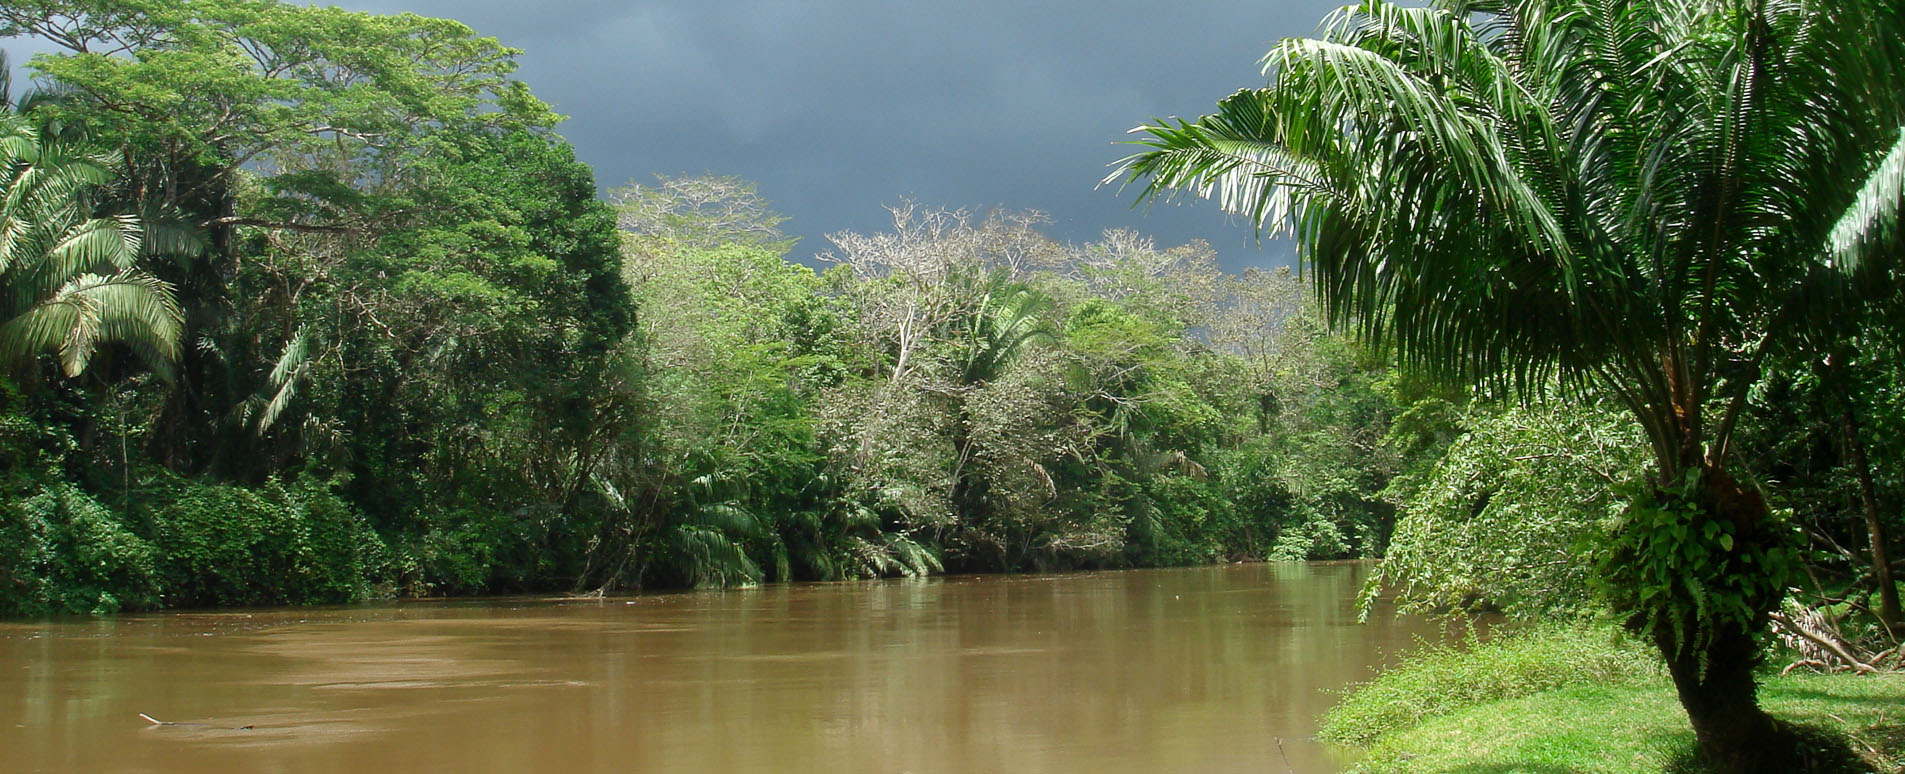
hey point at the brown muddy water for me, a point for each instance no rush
(1220, 669)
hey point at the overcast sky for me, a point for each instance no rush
(836, 107)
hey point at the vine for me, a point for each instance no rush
(1673, 560)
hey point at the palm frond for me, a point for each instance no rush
(168, 233)
(68, 281)
(912, 559)
(1870, 227)
(729, 518)
(92, 309)
(1225, 157)
(713, 559)
(96, 244)
(293, 365)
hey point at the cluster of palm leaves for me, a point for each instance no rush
(69, 275)
(1641, 196)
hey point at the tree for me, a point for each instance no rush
(293, 132)
(1637, 198)
(324, 99)
(698, 212)
(69, 275)
(1817, 427)
(1263, 307)
(942, 311)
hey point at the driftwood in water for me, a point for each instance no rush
(158, 722)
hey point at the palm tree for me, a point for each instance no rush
(1643, 198)
(1004, 315)
(1001, 316)
(68, 276)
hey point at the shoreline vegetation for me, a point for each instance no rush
(1587, 699)
(364, 327)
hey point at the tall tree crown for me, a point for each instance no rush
(1642, 196)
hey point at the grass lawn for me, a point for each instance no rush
(1603, 723)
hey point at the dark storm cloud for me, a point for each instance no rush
(837, 107)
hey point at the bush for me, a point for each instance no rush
(460, 550)
(231, 545)
(1302, 496)
(1178, 523)
(475, 548)
(1505, 520)
(61, 552)
(1439, 679)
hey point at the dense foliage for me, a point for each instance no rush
(396, 297)
(339, 317)
(964, 393)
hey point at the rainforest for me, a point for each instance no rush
(1593, 348)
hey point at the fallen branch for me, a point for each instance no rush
(279, 225)
(1806, 662)
(158, 722)
(1838, 650)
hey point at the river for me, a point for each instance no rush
(1217, 669)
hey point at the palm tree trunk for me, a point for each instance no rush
(1721, 699)
(1712, 660)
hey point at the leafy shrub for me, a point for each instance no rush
(232, 545)
(1440, 678)
(1310, 534)
(62, 552)
(1507, 517)
(457, 553)
(469, 546)
(1177, 528)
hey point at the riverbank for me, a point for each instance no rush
(1582, 701)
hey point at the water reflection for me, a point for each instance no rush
(1207, 669)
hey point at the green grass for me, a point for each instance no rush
(1439, 679)
(1602, 722)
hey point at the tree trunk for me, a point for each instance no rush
(1875, 529)
(970, 494)
(1712, 660)
(1735, 736)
